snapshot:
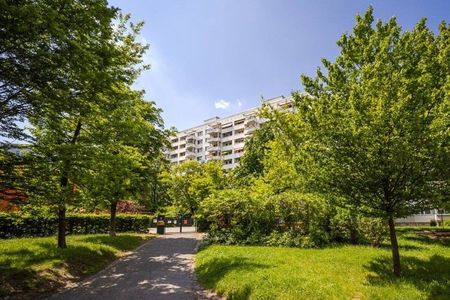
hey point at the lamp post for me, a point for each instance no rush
(181, 223)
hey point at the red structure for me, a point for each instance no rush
(11, 199)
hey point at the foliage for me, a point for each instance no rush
(342, 272)
(372, 230)
(37, 225)
(251, 163)
(373, 128)
(44, 46)
(85, 117)
(191, 182)
(33, 268)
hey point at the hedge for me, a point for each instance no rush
(20, 225)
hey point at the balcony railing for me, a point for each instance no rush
(213, 148)
(190, 154)
(190, 145)
(249, 130)
(213, 129)
(213, 157)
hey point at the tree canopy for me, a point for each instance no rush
(373, 127)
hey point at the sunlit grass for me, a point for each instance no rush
(344, 272)
(36, 265)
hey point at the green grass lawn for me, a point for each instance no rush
(342, 272)
(35, 266)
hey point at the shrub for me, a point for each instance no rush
(25, 225)
(344, 226)
(433, 223)
(372, 230)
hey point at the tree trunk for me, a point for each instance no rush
(62, 227)
(64, 183)
(394, 246)
(62, 212)
(112, 221)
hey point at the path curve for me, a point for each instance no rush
(162, 268)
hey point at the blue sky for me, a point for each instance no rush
(214, 57)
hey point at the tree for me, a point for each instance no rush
(64, 128)
(251, 163)
(129, 144)
(191, 182)
(373, 128)
(42, 44)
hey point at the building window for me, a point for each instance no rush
(227, 134)
(182, 154)
(228, 143)
(237, 159)
(238, 141)
(199, 142)
(228, 161)
(174, 140)
(226, 152)
(238, 122)
(183, 138)
(199, 150)
(200, 133)
(183, 146)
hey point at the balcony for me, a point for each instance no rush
(190, 145)
(227, 147)
(249, 131)
(213, 129)
(214, 139)
(213, 148)
(190, 135)
(251, 120)
(238, 154)
(213, 157)
(190, 154)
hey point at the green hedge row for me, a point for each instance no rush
(18, 225)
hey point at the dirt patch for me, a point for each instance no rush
(435, 234)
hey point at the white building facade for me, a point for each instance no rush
(221, 138)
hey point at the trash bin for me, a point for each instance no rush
(161, 225)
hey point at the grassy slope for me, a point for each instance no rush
(29, 266)
(345, 272)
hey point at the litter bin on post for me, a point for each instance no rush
(161, 225)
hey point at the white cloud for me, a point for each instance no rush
(221, 104)
(239, 103)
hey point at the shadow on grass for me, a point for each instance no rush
(430, 276)
(23, 283)
(401, 247)
(212, 271)
(120, 242)
(423, 239)
(84, 256)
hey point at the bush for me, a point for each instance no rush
(25, 225)
(372, 230)
(433, 223)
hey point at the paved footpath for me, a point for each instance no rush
(162, 268)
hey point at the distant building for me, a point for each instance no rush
(220, 138)
(11, 198)
(425, 217)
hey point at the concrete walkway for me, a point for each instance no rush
(160, 269)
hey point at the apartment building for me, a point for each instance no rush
(220, 138)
